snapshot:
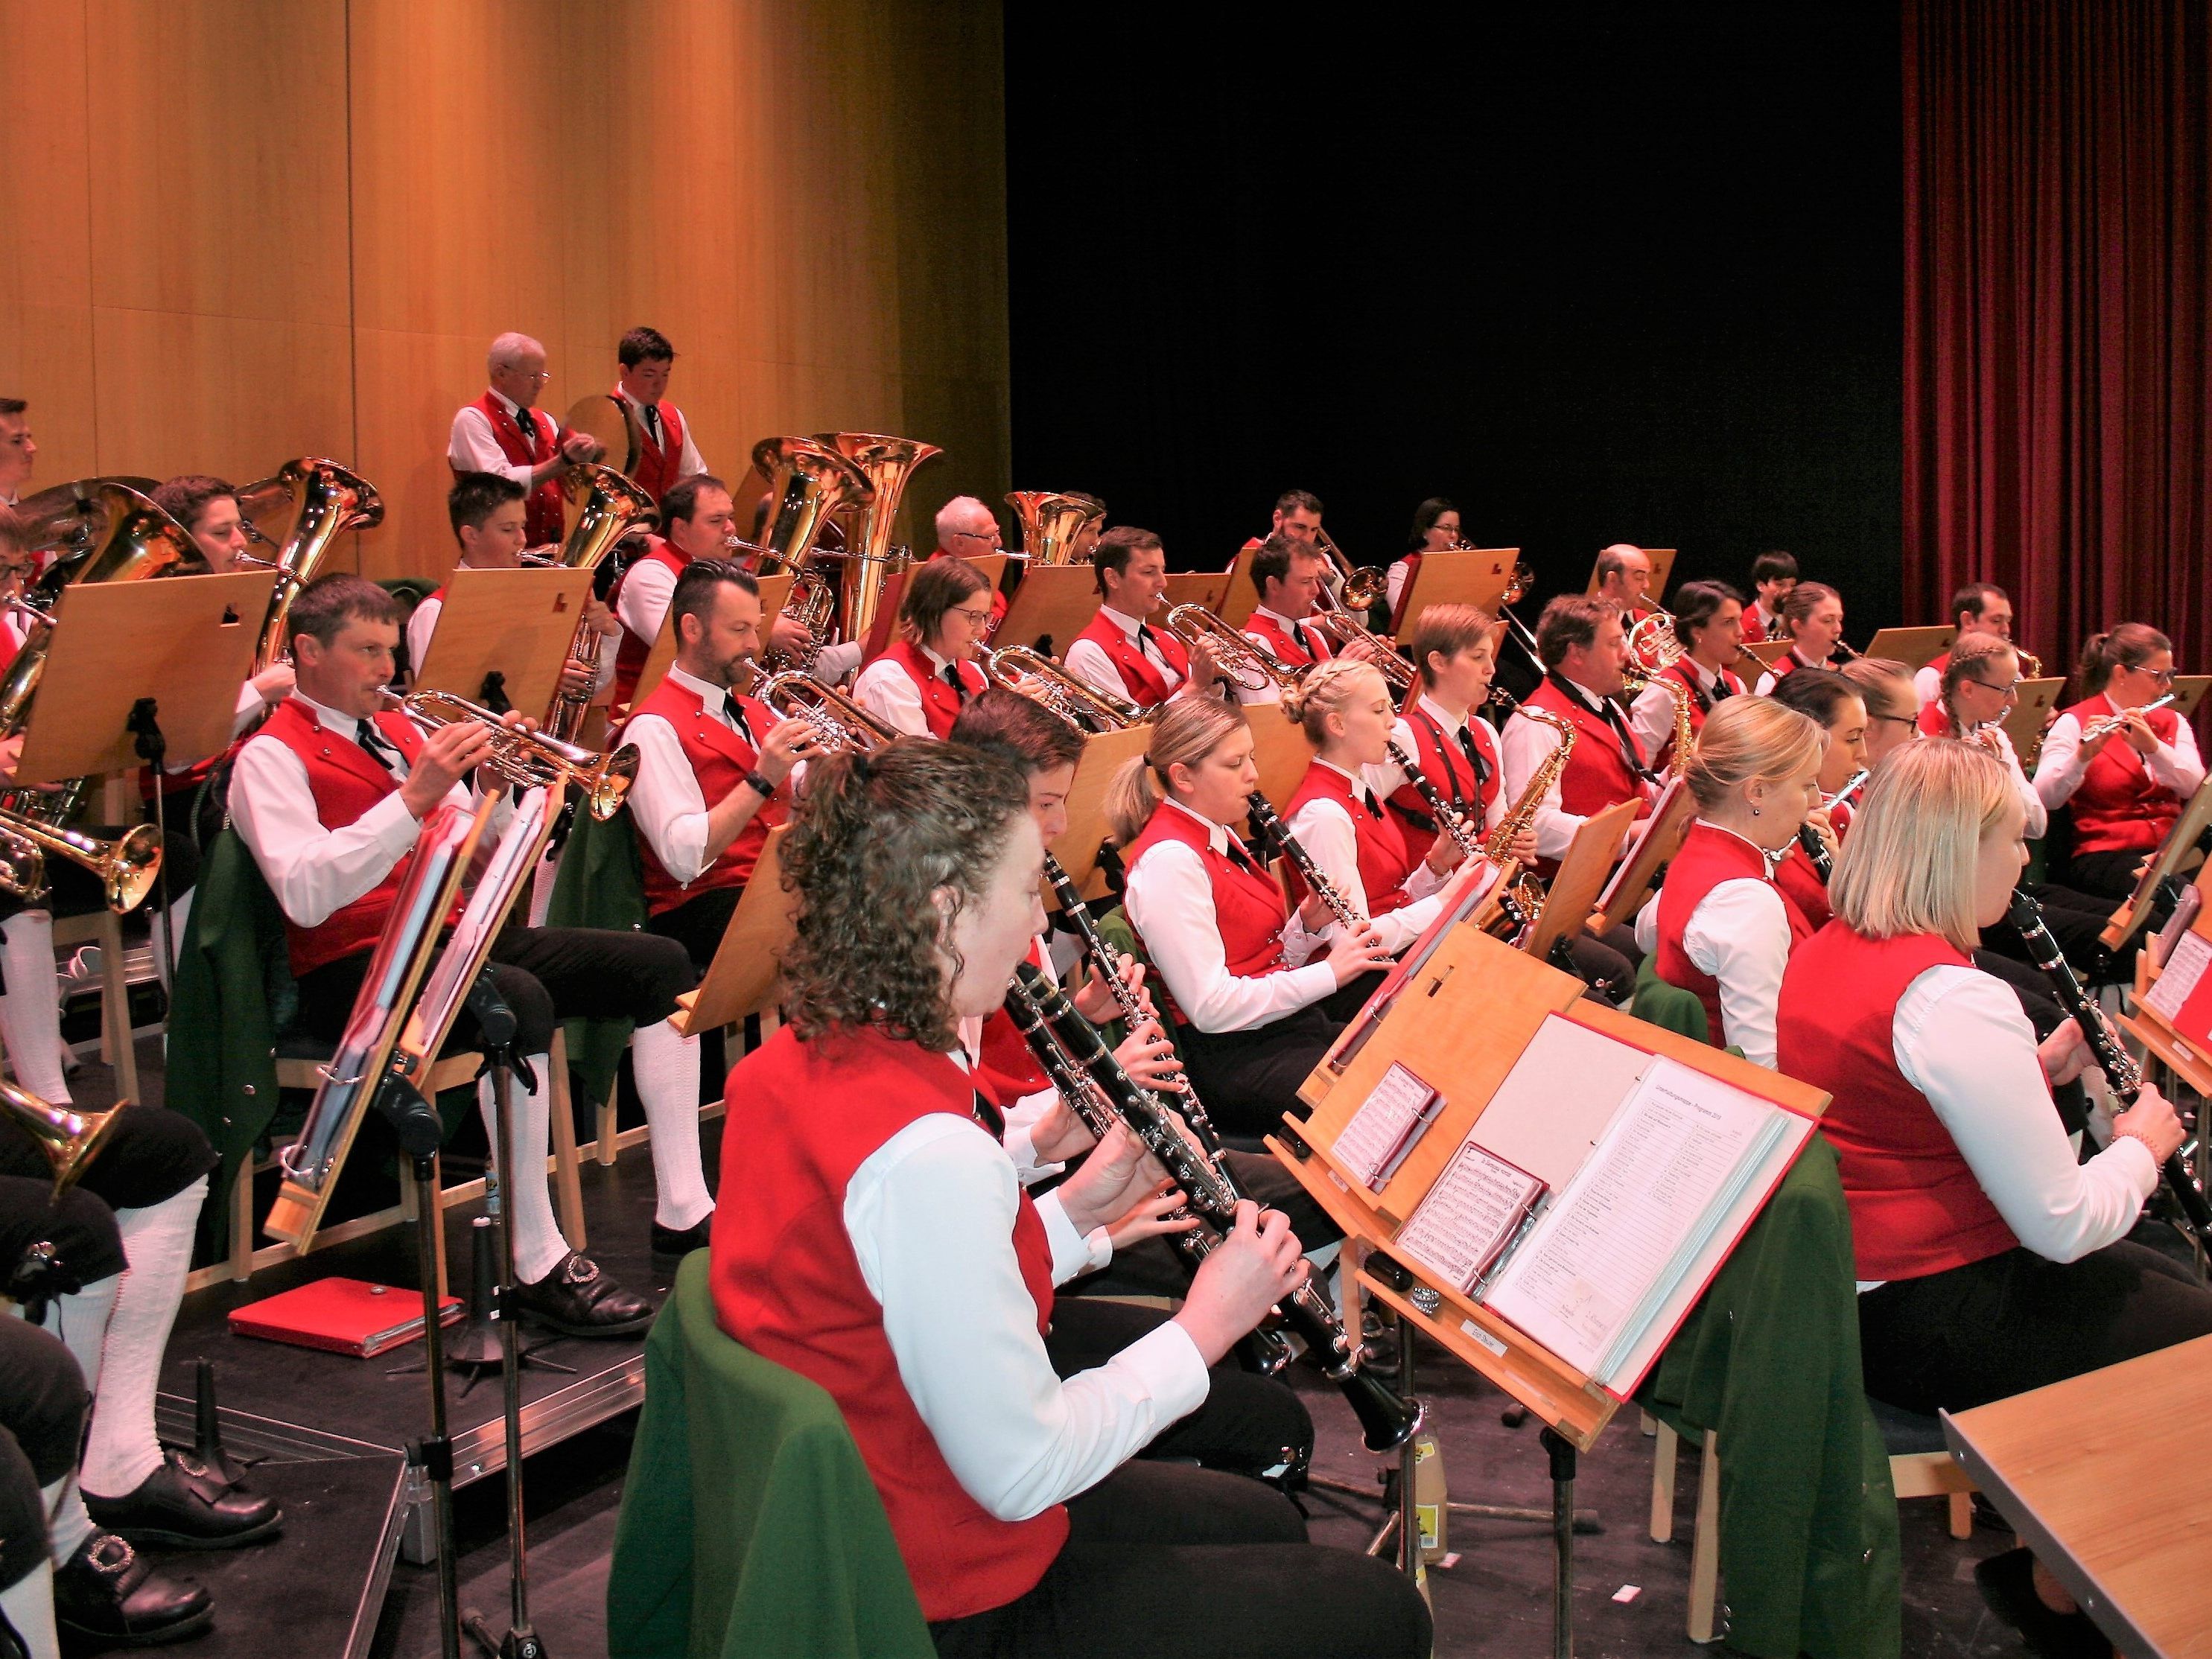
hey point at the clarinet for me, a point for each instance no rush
(1816, 849)
(1278, 834)
(1072, 906)
(1386, 1421)
(1265, 1348)
(2118, 1065)
(1447, 820)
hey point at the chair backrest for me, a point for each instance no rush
(749, 1524)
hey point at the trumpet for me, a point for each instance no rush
(2097, 729)
(841, 724)
(69, 1138)
(1250, 667)
(1362, 584)
(127, 867)
(1044, 682)
(532, 760)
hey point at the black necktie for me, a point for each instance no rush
(959, 686)
(735, 713)
(1145, 641)
(376, 747)
(1475, 757)
(652, 422)
(1305, 643)
(1367, 799)
(527, 423)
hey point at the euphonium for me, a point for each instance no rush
(69, 1138)
(1056, 525)
(1244, 662)
(1362, 584)
(1518, 897)
(809, 483)
(532, 760)
(328, 501)
(1043, 680)
(840, 723)
(888, 463)
(606, 507)
(127, 867)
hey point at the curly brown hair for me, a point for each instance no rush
(871, 840)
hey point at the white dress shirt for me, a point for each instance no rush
(2059, 769)
(316, 872)
(1325, 829)
(1169, 900)
(1766, 680)
(1961, 1038)
(1395, 582)
(1271, 692)
(886, 690)
(642, 606)
(1739, 935)
(2037, 817)
(1087, 660)
(473, 447)
(665, 802)
(1023, 1117)
(1521, 747)
(1390, 777)
(1928, 682)
(1651, 716)
(929, 1215)
(689, 463)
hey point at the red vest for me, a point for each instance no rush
(1709, 857)
(345, 781)
(1413, 562)
(998, 595)
(1248, 912)
(2119, 807)
(1598, 773)
(1383, 864)
(1916, 1207)
(805, 1117)
(1940, 663)
(1148, 687)
(1802, 885)
(719, 760)
(1286, 649)
(1701, 702)
(631, 652)
(941, 705)
(542, 522)
(1935, 721)
(1445, 764)
(1005, 1070)
(657, 464)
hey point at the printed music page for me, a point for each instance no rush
(1556, 1102)
(1469, 1216)
(1387, 1124)
(1600, 1260)
(2179, 978)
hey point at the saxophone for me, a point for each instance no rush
(1678, 758)
(1517, 900)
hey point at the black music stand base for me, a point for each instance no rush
(433, 1455)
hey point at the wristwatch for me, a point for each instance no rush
(760, 786)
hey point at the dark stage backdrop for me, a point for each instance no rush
(1598, 275)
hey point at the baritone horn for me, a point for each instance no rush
(69, 1138)
(328, 500)
(1058, 526)
(889, 464)
(1033, 675)
(532, 760)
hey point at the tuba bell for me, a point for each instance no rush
(809, 481)
(888, 463)
(1057, 526)
(327, 501)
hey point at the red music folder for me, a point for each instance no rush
(341, 1315)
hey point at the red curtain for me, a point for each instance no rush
(2057, 310)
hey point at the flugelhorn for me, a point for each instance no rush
(1057, 526)
(1043, 680)
(69, 1138)
(532, 760)
(127, 867)
(841, 724)
(1245, 663)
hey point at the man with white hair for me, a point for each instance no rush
(502, 433)
(966, 529)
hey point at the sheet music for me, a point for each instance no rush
(508, 866)
(2192, 954)
(1554, 1104)
(1467, 1218)
(1586, 1278)
(1392, 1117)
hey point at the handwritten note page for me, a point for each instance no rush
(1386, 1126)
(1468, 1216)
(1600, 1257)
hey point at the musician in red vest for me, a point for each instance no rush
(503, 432)
(666, 453)
(1585, 653)
(1835, 703)
(1977, 608)
(1725, 929)
(1119, 650)
(1624, 575)
(1773, 576)
(1990, 1259)
(715, 766)
(1287, 573)
(1244, 977)
(1709, 626)
(1297, 518)
(1813, 621)
(329, 797)
(968, 529)
(1454, 649)
(887, 1251)
(208, 508)
(1435, 530)
(2127, 785)
(929, 673)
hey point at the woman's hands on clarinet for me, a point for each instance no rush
(2151, 1119)
(2065, 1053)
(1122, 1188)
(1255, 1267)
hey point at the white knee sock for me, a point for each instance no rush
(29, 1605)
(123, 1449)
(666, 1067)
(31, 1012)
(67, 1524)
(526, 1198)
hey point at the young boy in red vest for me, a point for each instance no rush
(666, 454)
(1119, 651)
(330, 797)
(500, 432)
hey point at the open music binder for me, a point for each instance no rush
(1555, 1215)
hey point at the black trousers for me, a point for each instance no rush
(545, 974)
(1248, 1079)
(2104, 875)
(2015, 1321)
(1172, 1562)
(1153, 1266)
(80, 1229)
(151, 1153)
(1248, 1425)
(698, 924)
(2075, 920)
(41, 1415)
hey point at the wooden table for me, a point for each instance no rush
(2104, 1476)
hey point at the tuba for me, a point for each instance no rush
(328, 501)
(888, 463)
(69, 1138)
(809, 481)
(1057, 527)
(606, 507)
(1019, 669)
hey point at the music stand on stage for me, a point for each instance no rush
(885, 628)
(1662, 565)
(2030, 715)
(747, 971)
(1769, 652)
(1658, 838)
(1239, 599)
(2189, 691)
(2185, 839)
(1054, 603)
(1280, 750)
(773, 590)
(1204, 587)
(1477, 576)
(1916, 647)
(1582, 873)
(1077, 847)
(516, 625)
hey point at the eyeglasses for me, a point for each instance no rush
(2159, 676)
(1898, 720)
(2005, 690)
(975, 618)
(991, 536)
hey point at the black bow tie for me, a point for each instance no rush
(528, 426)
(1239, 857)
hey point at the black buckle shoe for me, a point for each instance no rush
(107, 1594)
(682, 1240)
(577, 1299)
(184, 1503)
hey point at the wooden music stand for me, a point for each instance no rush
(885, 628)
(1573, 892)
(2031, 715)
(2189, 691)
(1077, 847)
(2176, 855)
(2189, 1057)
(1280, 750)
(1663, 567)
(187, 641)
(1203, 587)
(1916, 647)
(1660, 840)
(1239, 599)
(1769, 652)
(773, 590)
(746, 975)
(1054, 603)
(1479, 577)
(519, 624)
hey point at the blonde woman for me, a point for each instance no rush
(1813, 621)
(1244, 976)
(1833, 702)
(1990, 1260)
(1725, 929)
